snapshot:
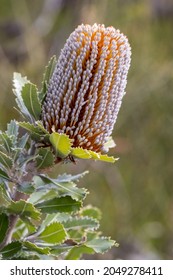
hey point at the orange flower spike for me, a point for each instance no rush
(86, 89)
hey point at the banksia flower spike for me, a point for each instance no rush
(87, 86)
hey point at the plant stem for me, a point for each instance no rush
(12, 220)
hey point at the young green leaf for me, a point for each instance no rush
(46, 76)
(45, 159)
(11, 250)
(98, 156)
(23, 141)
(53, 234)
(5, 160)
(23, 209)
(87, 154)
(13, 130)
(59, 204)
(4, 224)
(61, 144)
(80, 153)
(31, 101)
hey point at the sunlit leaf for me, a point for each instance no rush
(61, 144)
(53, 233)
(19, 82)
(80, 153)
(87, 154)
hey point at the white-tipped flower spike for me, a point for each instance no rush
(86, 89)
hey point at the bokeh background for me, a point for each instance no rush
(135, 194)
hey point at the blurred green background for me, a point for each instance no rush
(135, 194)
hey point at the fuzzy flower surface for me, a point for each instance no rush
(87, 86)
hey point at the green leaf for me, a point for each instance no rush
(68, 177)
(78, 223)
(30, 98)
(77, 251)
(64, 188)
(4, 224)
(6, 141)
(100, 245)
(23, 209)
(46, 76)
(4, 200)
(62, 204)
(19, 82)
(61, 144)
(91, 211)
(22, 141)
(87, 154)
(23, 228)
(80, 153)
(98, 156)
(26, 187)
(4, 175)
(107, 158)
(13, 130)
(11, 250)
(57, 217)
(5, 160)
(53, 233)
(32, 247)
(35, 131)
(45, 159)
